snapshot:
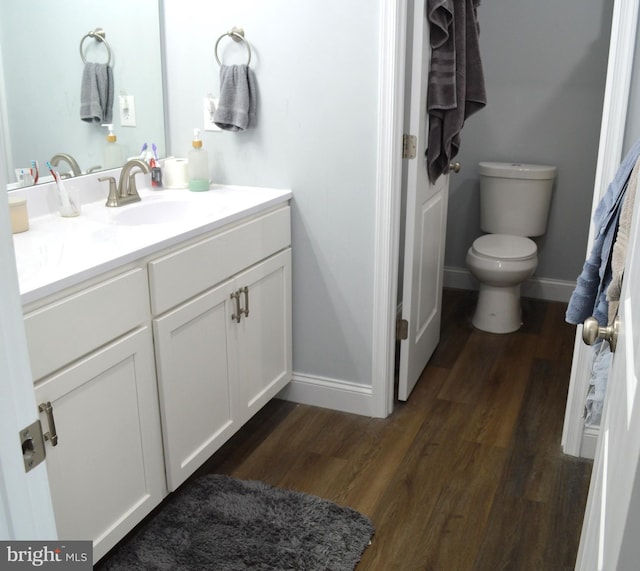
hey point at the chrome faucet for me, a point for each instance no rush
(126, 192)
(75, 167)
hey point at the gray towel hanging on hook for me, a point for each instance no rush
(96, 93)
(456, 80)
(236, 109)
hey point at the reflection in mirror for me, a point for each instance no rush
(41, 69)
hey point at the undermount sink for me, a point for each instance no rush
(151, 213)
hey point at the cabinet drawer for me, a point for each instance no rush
(66, 330)
(192, 270)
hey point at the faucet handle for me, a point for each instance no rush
(112, 199)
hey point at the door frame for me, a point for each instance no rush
(612, 131)
(392, 21)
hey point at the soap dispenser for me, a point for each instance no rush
(198, 164)
(112, 153)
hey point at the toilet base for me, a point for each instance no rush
(498, 309)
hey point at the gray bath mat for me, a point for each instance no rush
(224, 524)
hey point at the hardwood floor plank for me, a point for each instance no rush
(402, 517)
(457, 310)
(461, 511)
(497, 408)
(514, 540)
(472, 370)
(467, 475)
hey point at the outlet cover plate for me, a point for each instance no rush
(209, 106)
(127, 111)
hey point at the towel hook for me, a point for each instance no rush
(99, 35)
(237, 35)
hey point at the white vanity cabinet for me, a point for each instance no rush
(144, 370)
(92, 358)
(222, 354)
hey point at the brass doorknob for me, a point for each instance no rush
(592, 331)
(454, 167)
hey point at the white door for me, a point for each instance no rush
(611, 530)
(26, 511)
(425, 222)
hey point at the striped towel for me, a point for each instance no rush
(456, 80)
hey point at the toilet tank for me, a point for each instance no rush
(515, 198)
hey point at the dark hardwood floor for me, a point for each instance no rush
(466, 475)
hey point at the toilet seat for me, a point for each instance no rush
(504, 247)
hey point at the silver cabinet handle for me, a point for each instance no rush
(52, 435)
(238, 314)
(245, 291)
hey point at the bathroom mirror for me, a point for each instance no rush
(41, 70)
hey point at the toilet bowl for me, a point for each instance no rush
(500, 262)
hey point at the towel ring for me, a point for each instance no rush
(99, 35)
(237, 35)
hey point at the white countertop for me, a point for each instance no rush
(58, 252)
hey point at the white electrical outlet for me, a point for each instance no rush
(127, 111)
(209, 105)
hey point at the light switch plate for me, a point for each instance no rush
(127, 111)
(209, 106)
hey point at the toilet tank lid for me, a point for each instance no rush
(517, 170)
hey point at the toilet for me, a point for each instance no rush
(514, 207)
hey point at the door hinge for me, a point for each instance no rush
(409, 144)
(32, 442)
(402, 329)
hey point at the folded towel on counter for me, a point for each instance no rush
(236, 109)
(590, 295)
(619, 255)
(96, 93)
(456, 80)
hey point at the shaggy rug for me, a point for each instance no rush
(224, 524)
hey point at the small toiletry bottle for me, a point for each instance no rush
(156, 173)
(198, 165)
(112, 153)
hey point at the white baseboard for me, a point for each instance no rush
(538, 288)
(335, 394)
(589, 442)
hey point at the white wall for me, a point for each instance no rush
(545, 67)
(316, 64)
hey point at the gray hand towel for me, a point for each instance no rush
(456, 80)
(238, 97)
(96, 93)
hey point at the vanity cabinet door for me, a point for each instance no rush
(106, 470)
(197, 380)
(264, 335)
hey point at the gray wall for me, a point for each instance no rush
(545, 68)
(317, 71)
(316, 68)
